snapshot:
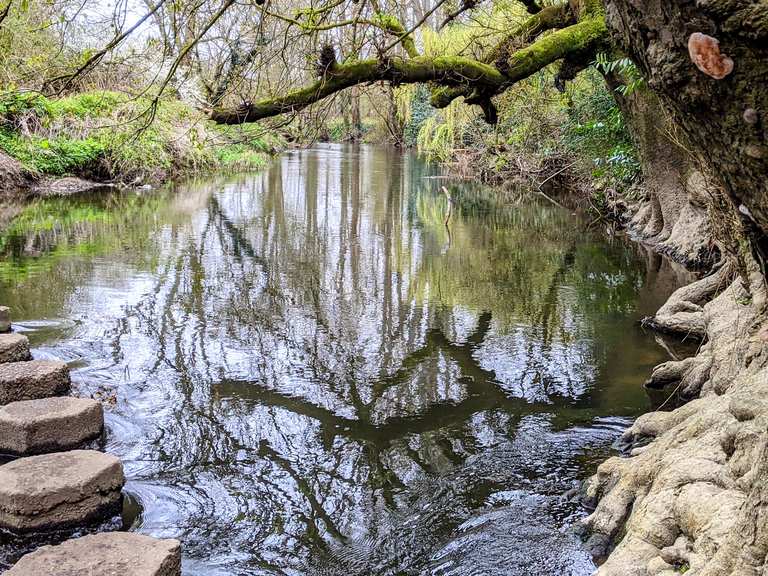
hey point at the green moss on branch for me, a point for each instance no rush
(390, 24)
(458, 75)
(549, 18)
(450, 70)
(588, 34)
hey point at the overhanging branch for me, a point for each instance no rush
(477, 80)
(449, 70)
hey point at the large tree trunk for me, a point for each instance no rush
(725, 121)
(673, 218)
(692, 496)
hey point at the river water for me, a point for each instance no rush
(306, 372)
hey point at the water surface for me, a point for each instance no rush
(306, 372)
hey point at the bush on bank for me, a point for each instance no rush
(539, 133)
(106, 135)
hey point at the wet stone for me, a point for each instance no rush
(49, 425)
(14, 348)
(107, 554)
(60, 490)
(33, 380)
(5, 319)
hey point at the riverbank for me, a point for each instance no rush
(91, 139)
(688, 497)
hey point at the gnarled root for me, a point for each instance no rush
(683, 313)
(692, 497)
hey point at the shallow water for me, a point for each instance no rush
(306, 372)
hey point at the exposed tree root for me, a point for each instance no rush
(681, 232)
(691, 498)
(683, 313)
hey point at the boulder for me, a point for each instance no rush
(33, 380)
(5, 319)
(60, 490)
(110, 554)
(49, 425)
(14, 348)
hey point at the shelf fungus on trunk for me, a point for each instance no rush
(705, 53)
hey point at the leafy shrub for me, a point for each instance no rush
(419, 112)
(86, 105)
(107, 133)
(596, 130)
(55, 156)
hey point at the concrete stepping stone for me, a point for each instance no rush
(33, 380)
(49, 425)
(110, 554)
(59, 490)
(14, 348)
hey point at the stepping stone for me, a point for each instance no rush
(32, 380)
(49, 425)
(14, 348)
(110, 554)
(5, 319)
(60, 490)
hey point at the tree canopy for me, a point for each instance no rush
(244, 61)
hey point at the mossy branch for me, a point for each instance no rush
(381, 20)
(549, 18)
(586, 35)
(392, 25)
(449, 70)
(455, 72)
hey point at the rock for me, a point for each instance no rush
(68, 186)
(49, 425)
(5, 319)
(59, 490)
(598, 545)
(32, 380)
(110, 554)
(14, 348)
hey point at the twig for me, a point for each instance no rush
(563, 169)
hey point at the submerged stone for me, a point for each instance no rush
(14, 348)
(33, 380)
(59, 490)
(107, 554)
(49, 425)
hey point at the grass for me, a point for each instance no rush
(104, 135)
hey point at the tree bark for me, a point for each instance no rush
(724, 120)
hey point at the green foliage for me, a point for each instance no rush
(106, 134)
(241, 157)
(597, 131)
(623, 68)
(419, 111)
(54, 156)
(248, 147)
(86, 105)
(16, 104)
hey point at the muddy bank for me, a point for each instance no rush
(17, 184)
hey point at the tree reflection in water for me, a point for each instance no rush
(311, 379)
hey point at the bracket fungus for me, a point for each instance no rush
(705, 53)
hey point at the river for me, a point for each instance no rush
(307, 373)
